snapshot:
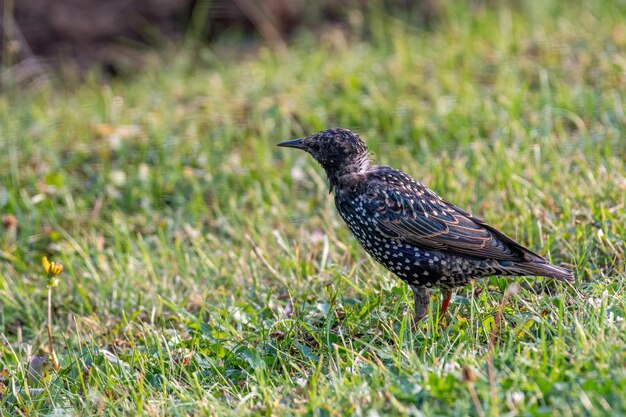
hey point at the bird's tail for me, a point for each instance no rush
(545, 270)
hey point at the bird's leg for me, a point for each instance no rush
(421, 297)
(447, 295)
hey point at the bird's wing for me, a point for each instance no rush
(407, 210)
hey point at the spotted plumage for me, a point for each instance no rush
(425, 240)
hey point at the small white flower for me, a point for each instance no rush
(117, 177)
(594, 302)
(611, 318)
(597, 302)
(451, 366)
(515, 399)
(518, 397)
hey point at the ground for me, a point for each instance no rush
(208, 273)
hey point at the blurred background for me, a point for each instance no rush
(112, 36)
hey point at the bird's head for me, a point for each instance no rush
(339, 151)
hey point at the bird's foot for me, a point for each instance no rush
(421, 297)
(447, 296)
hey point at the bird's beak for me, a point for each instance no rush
(294, 143)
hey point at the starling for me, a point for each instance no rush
(423, 239)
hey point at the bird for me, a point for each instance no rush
(422, 238)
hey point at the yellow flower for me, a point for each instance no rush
(51, 268)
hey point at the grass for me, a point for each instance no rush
(207, 272)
